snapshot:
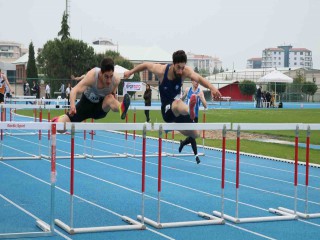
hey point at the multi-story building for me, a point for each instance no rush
(286, 56)
(11, 51)
(254, 63)
(272, 58)
(300, 57)
(204, 63)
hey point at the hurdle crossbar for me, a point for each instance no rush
(47, 230)
(134, 225)
(209, 219)
(113, 127)
(24, 126)
(78, 156)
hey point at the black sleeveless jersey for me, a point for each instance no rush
(169, 89)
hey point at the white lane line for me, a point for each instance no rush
(31, 215)
(83, 199)
(258, 234)
(230, 182)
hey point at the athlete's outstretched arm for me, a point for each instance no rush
(205, 83)
(80, 88)
(151, 67)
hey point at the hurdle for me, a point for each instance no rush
(19, 126)
(282, 215)
(172, 154)
(134, 225)
(208, 219)
(135, 108)
(47, 229)
(306, 213)
(35, 108)
(86, 155)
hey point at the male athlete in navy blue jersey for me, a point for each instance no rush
(171, 77)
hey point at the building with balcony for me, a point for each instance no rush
(286, 56)
(272, 58)
(300, 57)
(10, 51)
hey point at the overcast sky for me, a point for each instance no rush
(233, 30)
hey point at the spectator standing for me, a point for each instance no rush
(62, 90)
(258, 97)
(68, 90)
(147, 101)
(35, 89)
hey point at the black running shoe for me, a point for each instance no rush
(181, 146)
(124, 106)
(198, 160)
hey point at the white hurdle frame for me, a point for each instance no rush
(282, 215)
(35, 107)
(134, 132)
(306, 213)
(20, 126)
(134, 225)
(209, 219)
(86, 155)
(158, 108)
(48, 229)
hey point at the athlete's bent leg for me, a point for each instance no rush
(110, 102)
(63, 118)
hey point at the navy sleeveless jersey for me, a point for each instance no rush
(169, 89)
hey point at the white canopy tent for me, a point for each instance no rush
(275, 77)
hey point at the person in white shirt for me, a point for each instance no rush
(48, 91)
(68, 90)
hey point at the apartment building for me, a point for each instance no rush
(10, 51)
(203, 63)
(286, 56)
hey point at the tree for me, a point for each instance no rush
(309, 88)
(221, 70)
(196, 70)
(296, 87)
(64, 32)
(247, 87)
(204, 72)
(281, 87)
(215, 70)
(32, 71)
(59, 59)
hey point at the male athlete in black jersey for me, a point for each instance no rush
(173, 109)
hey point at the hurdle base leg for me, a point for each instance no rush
(211, 221)
(105, 156)
(182, 154)
(64, 226)
(134, 225)
(43, 226)
(139, 155)
(283, 217)
(300, 214)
